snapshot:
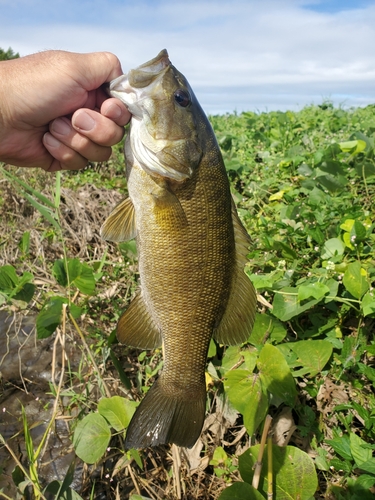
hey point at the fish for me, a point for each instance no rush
(192, 249)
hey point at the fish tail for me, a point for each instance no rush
(166, 417)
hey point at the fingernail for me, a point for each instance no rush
(83, 121)
(61, 126)
(51, 141)
(114, 111)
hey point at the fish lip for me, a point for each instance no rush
(121, 89)
(157, 64)
(131, 93)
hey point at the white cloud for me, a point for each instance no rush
(238, 54)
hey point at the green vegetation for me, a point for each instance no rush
(304, 184)
(9, 54)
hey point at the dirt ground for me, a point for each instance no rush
(28, 366)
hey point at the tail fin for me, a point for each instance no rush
(163, 418)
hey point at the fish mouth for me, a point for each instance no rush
(129, 87)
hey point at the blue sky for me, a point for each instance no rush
(237, 55)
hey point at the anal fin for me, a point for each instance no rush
(136, 328)
(120, 225)
(238, 319)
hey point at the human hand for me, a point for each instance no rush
(54, 113)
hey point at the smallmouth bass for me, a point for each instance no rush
(191, 245)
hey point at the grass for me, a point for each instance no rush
(304, 185)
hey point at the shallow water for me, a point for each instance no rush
(25, 377)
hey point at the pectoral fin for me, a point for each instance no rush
(168, 210)
(120, 225)
(136, 327)
(238, 319)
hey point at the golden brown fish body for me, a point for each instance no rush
(191, 248)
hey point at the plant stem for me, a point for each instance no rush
(79, 331)
(258, 463)
(270, 471)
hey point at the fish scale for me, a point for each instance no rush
(191, 245)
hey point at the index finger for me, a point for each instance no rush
(115, 110)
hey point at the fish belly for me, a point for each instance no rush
(186, 258)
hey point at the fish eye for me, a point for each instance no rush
(182, 98)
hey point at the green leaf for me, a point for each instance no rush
(276, 375)
(33, 191)
(261, 281)
(333, 287)
(355, 280)
(91, 438)
(359, 449)
(121, 372)
(332, 248)
(353, 147)
(368, 466)
(49, 317)
(46, 212)
(368, 304)
(17, 475)
(231, 357)
(266, 328)
(67, 494)
(333, 183)
(347, 225)
(75, 311)
(247, 395)
(24, 244)
(316, 290)
(219, 456)
(368, 371)
(8, 278)
(118, 411)
(341, 445)
(316, 198)
(355, 232)
(240, 491)
(138, 460)
(74, 269)
(313, 355)
(15, 287)
(294, 472)
(82, 276)
(59, 272)
(212, 349)
(286, 304)
(286, 251)
(366, 481)
(358, 232)
(26, 293)
(321, 460)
